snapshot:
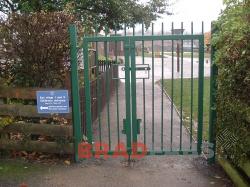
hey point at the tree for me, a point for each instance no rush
(110, 13)
(35, 49)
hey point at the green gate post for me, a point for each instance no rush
(128, 120)
(212, 109)
(200, 94)
(75, 89)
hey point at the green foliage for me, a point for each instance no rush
(103, 58)
(35, 49)
(233, 59)
(102, 12)
(5, 121)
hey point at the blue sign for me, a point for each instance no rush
(54, 101)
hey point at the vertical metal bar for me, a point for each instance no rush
(181, 107)
(153, 104)
(213, 93)
(125, 30)
(127, 92)
(127, 95)
(202, 27)
(98, 92)
(162, 79)
(107, 88)
(143, 87)
(77, 127)
(172, 90)
(192, 85)
(178, 56)
(200, 93)
(133, 89)
(87, 92)
(117, 97)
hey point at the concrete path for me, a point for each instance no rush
(168, 67)
(151, 171)
(162, 171)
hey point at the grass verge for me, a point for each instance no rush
(18, 170)
(167, 85)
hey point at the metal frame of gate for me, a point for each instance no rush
(130, 85)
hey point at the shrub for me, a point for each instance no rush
(34, 48)
(233, 60)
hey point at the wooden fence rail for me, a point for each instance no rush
(38, 129)
(39, 146)
(27, 111)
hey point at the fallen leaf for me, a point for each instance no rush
(24, 153)
(217, 177)
(23, 185)
(67, 162)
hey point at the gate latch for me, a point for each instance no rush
(138, 68)
(138, 122)
(142, 71)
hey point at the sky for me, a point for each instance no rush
(187, 11)
(193, 10)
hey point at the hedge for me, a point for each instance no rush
(233, 99)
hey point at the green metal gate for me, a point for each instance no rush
(139, 110)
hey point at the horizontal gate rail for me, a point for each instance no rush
(162, 152)
(142, 38)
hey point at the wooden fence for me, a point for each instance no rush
(24, 112)
(27, 111)
(94, 88)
